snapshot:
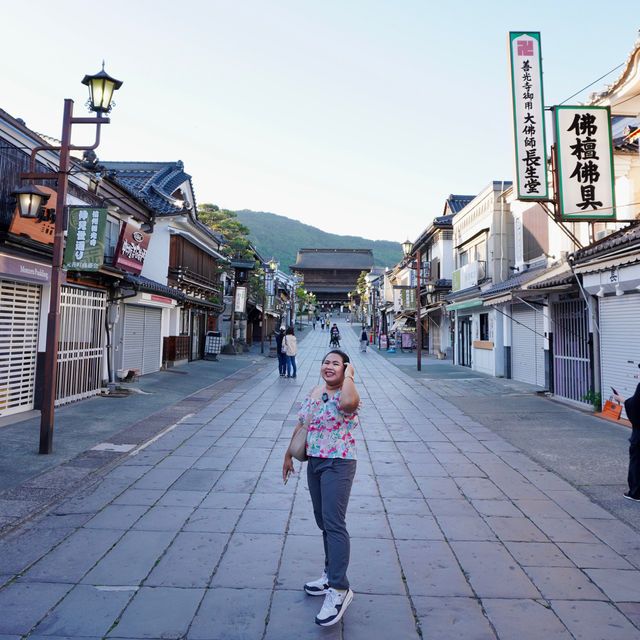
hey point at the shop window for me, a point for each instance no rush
(484, 326)
(185, 316)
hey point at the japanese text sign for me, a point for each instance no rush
(84, 250)
(585, 162)
(528, 115)
(240, 300)
(131, 250)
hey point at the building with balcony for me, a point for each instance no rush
(183, 255)
(482, 252)
(435, 248)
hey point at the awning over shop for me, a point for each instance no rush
(507, 297)
(605, 265)
(467, 304)
(403, 321)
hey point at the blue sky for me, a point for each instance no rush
(358, 117)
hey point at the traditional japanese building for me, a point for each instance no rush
(331, 274)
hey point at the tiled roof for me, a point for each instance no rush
(628, 236)
(462, 293)
(514, 281)
(621, 127)
(153, 183)
(457, 203)
(141, 283)
(360, 259)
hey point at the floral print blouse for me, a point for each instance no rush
(329, 432)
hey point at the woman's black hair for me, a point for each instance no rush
(342, 354)
(289, 331)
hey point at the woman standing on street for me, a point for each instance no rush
(282, 358)
(331, 411)
(290, 348)
(632, 407)
(364, 339)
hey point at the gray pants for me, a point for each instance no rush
(330, 481)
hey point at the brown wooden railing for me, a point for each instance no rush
(186, 276)
(175, 348)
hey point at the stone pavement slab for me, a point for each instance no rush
(456, 533)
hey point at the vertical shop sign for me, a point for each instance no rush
(528, 115)
(241, 300)
(131, 250)
(585, 162)
(84, 250)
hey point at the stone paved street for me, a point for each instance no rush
(456, 533)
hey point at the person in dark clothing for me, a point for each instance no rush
(632, 407)
(282, 358)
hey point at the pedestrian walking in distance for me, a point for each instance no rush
(290, 347)
(632, 407)
(364, 339)
(331, 412)
(282, 358)
(313, 322)
(321, 323)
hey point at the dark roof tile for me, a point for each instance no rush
(360, 259)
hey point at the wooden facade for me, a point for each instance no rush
(331, 274)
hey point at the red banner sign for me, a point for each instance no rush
(131, 250)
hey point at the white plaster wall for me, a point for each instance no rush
(156, 262)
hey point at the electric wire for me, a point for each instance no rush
(592, 83)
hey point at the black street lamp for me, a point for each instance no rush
(101, 88)
(30, 200)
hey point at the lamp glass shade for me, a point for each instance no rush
(407, 245)
(273, 264)
(101, 88)
(30, 199)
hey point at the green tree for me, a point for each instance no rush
(237, 243)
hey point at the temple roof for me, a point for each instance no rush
(350, 259)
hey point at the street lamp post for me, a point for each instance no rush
(101, 87)
(263, 328)
(407, 246)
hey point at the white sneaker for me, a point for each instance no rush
(335, 604)
(318, 587)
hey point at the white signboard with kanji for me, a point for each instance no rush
(528, 115)
(585, 162)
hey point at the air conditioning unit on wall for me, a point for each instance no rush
(603, 233)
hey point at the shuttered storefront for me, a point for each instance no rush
(19, 319)
(527, 345)
(142, 341)
(619, 348)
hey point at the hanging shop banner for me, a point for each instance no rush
(241, 300)
(84, 250)
(585, 163)
(408, 298)
(131, 250)
(528, 115)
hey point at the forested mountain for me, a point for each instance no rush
(281, 237)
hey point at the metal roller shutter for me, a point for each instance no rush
(19, 319)
(152, 340)
(142, 338)
(527, 345)
(619, 349)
